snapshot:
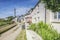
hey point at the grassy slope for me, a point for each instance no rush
(22, 35)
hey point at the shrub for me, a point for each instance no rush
(32, 27)
(46, 31)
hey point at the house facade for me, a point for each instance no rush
(28, 18)
(40, 13)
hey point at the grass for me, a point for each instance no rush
(22, 35)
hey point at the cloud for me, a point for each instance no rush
(22, 10)
(10, 12)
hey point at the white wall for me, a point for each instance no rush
(41, 13)
(56, 26)
(55, 22)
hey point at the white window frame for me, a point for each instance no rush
(57, 14)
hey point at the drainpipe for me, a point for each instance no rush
(45, 14)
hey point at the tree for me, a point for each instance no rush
(53, 5)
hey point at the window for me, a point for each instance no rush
(38, 5)
(59, 15)
(55, 15)
(35, 19)
(38, 18)
(38, 12)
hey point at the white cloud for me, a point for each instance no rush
(22, 10)
(19, 11)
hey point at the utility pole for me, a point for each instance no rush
(14, 12)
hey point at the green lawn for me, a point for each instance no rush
(22, 35)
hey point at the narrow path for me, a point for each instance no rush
(31, 35)
(22, 35)
(11, 34)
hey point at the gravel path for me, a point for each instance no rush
(11, 34)
(31, 35)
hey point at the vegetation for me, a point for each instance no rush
(22, 35)
(53, 5)
(46, 31)
(6, 21)
(8, 27)
(10, 18)
(6, 24)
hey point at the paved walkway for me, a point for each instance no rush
(11, 34)
(31, 35)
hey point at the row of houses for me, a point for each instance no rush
(40, 13)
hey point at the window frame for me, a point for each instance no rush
(56, 15)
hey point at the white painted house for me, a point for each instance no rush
(39, 13)
(28, 18)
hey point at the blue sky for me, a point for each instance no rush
(22, 6)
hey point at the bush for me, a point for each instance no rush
(46, 31)
(32, 27)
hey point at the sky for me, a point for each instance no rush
(22, 7)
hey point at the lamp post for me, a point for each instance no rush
(14, 12)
